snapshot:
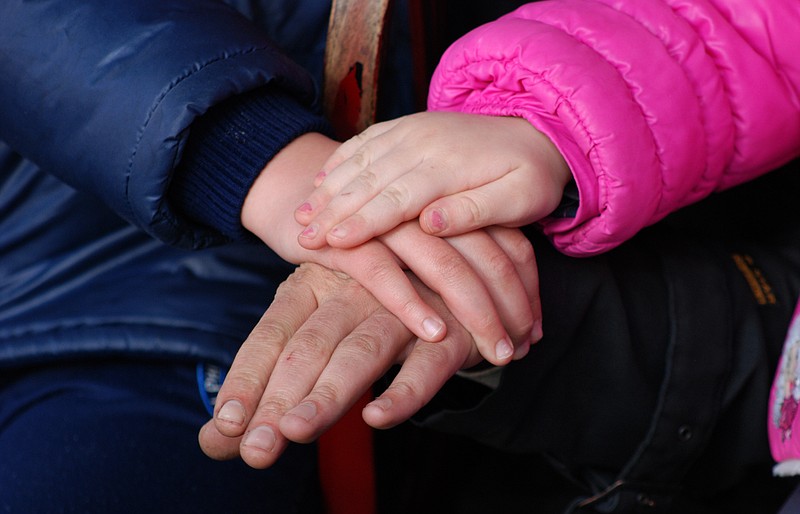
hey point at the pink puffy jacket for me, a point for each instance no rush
(654, 103)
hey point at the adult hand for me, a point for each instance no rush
(322, 343)
(490, 284)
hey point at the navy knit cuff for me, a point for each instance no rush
(227, 148)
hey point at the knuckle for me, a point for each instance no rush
(275, 406)
(408, 387)
(361, 158)
(308, 348)
(328, 393)
(271, 332)
(367, 180)
(378, 271)
(501, 267)
(452, 270)
(243, 381)
(475, 211)
(521, 250)
(396, 197)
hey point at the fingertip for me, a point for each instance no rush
(341, 236)
(503, 350)
(308, 238)
(434, 221)
(537, 333)
(377, 413)
(259, 447)
(215, 445)
(522, 350)
(350, 232)
(230, 418)
(298, 424)
(434, 329)
(304, 213)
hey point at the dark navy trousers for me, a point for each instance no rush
(109, 436)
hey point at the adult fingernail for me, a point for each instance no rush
(383, 404)
(504, 349)
(432, 327)
(262, 438)
(232, 412)
(305, 410)
(522, 350)
(537, 333)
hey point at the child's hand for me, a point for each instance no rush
(456, 172)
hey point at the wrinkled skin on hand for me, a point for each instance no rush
(319, 347)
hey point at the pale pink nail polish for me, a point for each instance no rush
(310, 231)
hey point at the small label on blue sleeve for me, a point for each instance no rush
(209, 381)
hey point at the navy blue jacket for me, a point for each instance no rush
(102, 249)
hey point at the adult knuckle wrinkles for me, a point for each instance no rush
(308, 350)
(365, 343)
(451, 269)
(245, 379)
(501, 266)
(522, 251)
(328, 392)
(276, 405)
(378, 271)
(408, 387)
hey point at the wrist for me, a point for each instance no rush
(288, 178)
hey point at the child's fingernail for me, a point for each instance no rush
(306, 410)
(262, 438)
(232, 412)
(437, 221)
(306, 207)
(319, 178)
(504, 349)
(310, 231)
(338, 232)
(432, 327)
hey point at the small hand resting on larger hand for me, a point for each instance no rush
(322, 343)
(489, 283)
(456, 172)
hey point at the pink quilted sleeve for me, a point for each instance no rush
(654, 104)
